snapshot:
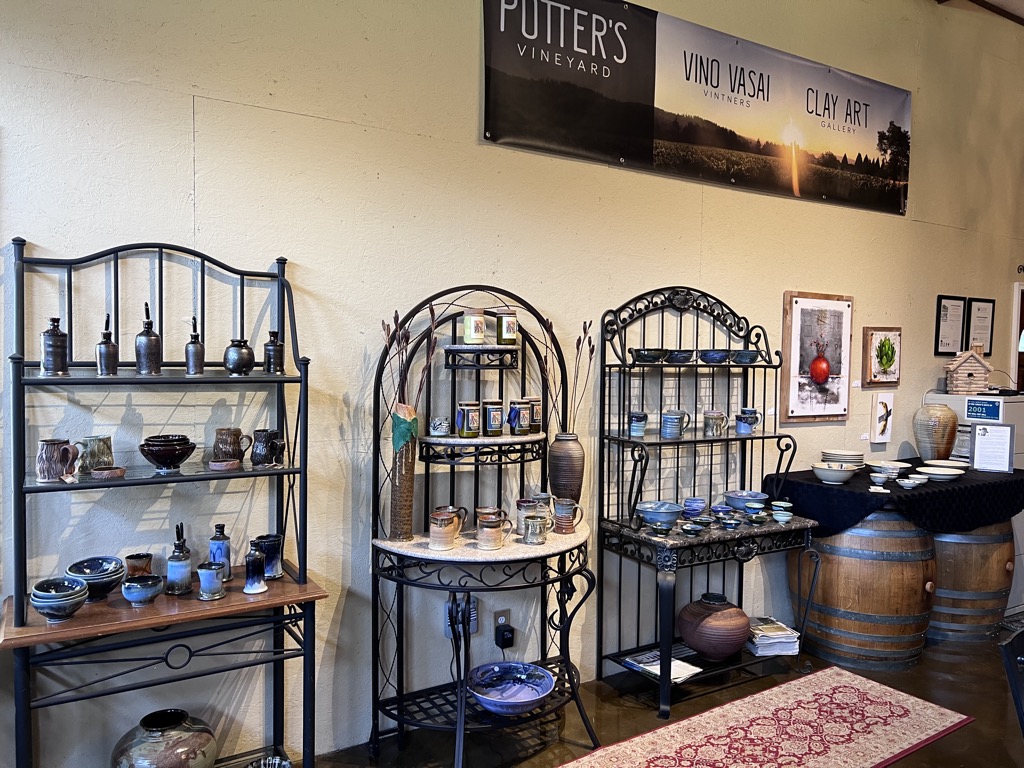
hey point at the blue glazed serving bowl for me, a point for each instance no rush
(738, 499)
(652, 512)
(58, 610)
(648, 355)
(142, 590)
(678, 356)
(59, 588)
(510, 687)
(714, 356)
(691, 529)
(743, 356)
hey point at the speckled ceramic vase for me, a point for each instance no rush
(713, 627)
(935, 430)
(167, 738)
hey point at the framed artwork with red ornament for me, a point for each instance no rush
(817, 334)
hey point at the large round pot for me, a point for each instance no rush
(167, 738)
(713, 627)
(565, 466)
(935, 430)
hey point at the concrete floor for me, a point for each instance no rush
(968, 678)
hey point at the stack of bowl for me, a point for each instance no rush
(167, 452)
(693, 506)
(58, 599)
(891, 468)
(102, 575)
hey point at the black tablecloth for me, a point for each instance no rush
(973, 500)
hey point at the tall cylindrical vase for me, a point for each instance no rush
(935, 430)
(404, 426)
(565, 466)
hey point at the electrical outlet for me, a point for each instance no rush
(502, 617)
(474, 620)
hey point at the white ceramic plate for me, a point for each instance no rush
(841, 452)
(941, 474)
(950, 463)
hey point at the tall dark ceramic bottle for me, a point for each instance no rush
(106, 352)
(179, 570)
(239, 358)
(255, 565)
(273, 354)
(53, 350)
(148, 348)
(220, 549)
(195, 353)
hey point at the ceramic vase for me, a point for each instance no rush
(713, 627)
(239, 359)
(565, 466)
(53, 350)
(404, 426)
(167, 738)
(935, 431)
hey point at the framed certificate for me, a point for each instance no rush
(992, 447)
(949, 325)
(980, 313)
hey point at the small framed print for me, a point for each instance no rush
(880, 357)
(992, 447)
(880, 429)
(980, 316)
(949, 325)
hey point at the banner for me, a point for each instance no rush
(617, 83)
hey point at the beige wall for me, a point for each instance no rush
(346, 136)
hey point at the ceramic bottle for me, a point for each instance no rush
(53, 350)
(148, 348)
(195, 353)
(106, 352)
(220, 549)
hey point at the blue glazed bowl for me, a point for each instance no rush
(691, 529)
(739, 499)
(730, 523)
(56, 611)
(142, 590)
(714, 356)
(652, 512)
(59, 588)
(744, 356)
(510, 687)
(678, 356)
(101, 574)
(702, 520)
(650, 355)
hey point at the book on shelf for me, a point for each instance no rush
(649, 662)
(769, 637)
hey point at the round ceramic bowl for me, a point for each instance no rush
(941, 474)
(166, 458)
(892, 468)
(743, 356)
(950, 463)
(831, 476)
(661, 529)
(56, 611)
(167, 439)
(879, 478)
(649, 355)
(691, 503)
(730, 523)
(702, 520)
(782, 506)
(753, 507)
(781, 516)
(921, 479)
(738, 499)
(759, 519)
(906, 483)
(107, 473)
(714, 356)
(691, 529)
(142, 590)
(510, 687)
(678, 356)
(225, 465)
(59, 588)
(101, 574)
(652, 512)
(719, 509)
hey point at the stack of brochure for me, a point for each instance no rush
(769, 637)
(649, 663)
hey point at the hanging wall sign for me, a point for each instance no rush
(618, 83)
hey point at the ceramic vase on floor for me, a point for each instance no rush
(713, 627)
(935, 431)
(566, 461)
(167, 738)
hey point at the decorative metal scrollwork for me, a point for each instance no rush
(504, 453)
(481, 359)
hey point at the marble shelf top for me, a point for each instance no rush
(466, 551)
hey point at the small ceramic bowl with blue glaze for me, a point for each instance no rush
(142, 590)
(714, 356)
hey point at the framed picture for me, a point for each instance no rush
(980, 316)
(880, 357)
(817, 334)
(882, 417)
(949, 325)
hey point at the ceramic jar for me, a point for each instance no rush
(713, 627)
(272, 547)
(53, 350)
(239, 359)
(148, 349)
(273, 354)
(565, 466)
(167, 738)
(935, 430)
(195, 353)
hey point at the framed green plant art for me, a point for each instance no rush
(880, 360)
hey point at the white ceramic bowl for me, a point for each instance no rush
(893, 468)
(906, 482)
(941, 474)
(921, 479)
(879, 478)
(824, 472)
(782, 516)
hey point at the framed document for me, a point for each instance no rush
(992, 447)
(949, 325)
(980, 314)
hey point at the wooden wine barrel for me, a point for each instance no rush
(973, 574)
(871, 606)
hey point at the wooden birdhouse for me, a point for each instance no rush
(967, 373)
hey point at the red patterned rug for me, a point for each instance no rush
(832, 718)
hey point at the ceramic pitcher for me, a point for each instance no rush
(56, 458)
(94, 451)
(230, 444)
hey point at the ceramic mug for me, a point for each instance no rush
(524, 507)
(230, 444)
(536, 529)
(485, 512)
(715, 423)
(440, 426)
(544, 502)
(637, 423)
(94, 451)
(445, 526)
(493, 531)
(139, 564)
(55, 459)
(568, 515)
(267, 447)
(211, 580)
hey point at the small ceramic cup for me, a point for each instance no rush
(536, 527)
(568, 515)
(637, 423)
(524, 508)
(445, 526)
(139, 564)
(879, 478)
(211, 580)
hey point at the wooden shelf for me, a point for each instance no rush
(115, 614)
